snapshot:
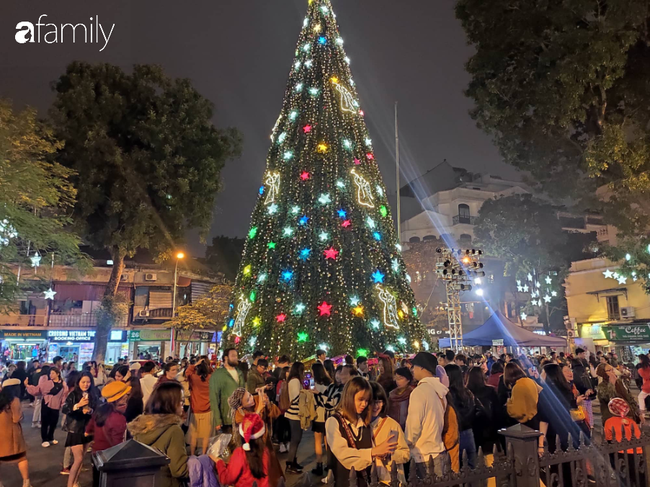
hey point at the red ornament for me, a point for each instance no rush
(325, 309)
(357, 161)
(307, 129)
(362, 113)
(304, 176)
(370, 156)
(331, 253)
(346, 223)
(237, 339)
(281, 317)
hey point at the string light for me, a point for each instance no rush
(364, 194)
(273, 183)
(243, 308)
(390, 307)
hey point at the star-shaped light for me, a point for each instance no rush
(342, 213)
(538, 284)
(356, 161)
(523, 316)
(520, 289)
(323, 236)
(547, 299)
(518, 282)
(299, 308)
(375, 324)
(322, 40)
(530, 276)
(281, 318)
(370, 156)
(288, 231)
(322, 148)
(347, 144)
(36, 259)
(261, 277)
(340, 184)
(273, 209)
(383, 211)
(358, 311)
(282, 137)
(368, 141)
(622, 280)
(287, 275)
(525, 288)
(317, 28)
(288, 155)
(257, 321)
(295, 210)
(303, 336)
(325, 309)
(398, 247)
(346, 223)
(554, 293)
(307, 128)
(304, 254)
(376, 235)
(334, 80)
(380, 191)
(293, 115)
(395, 265)
(309, 63)
(49, 294)
(371, 222)
(378, 277)
(331, 253)
(272, 245)
(402, 340)
(324, 199)
(252, 341)
(304, 176)
(354, 301)
(608, 274)
(303, 221)
(548, 280)
(247, 269)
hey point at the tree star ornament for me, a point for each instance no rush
(325, 309)
(331, 253)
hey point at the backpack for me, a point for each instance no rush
(284, 402)
(451, 435)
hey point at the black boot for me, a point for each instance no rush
(298, 467)
(318, 471)
(293, 467)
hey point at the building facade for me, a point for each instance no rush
(65, 325)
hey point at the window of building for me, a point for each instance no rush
(25, 307)
(414, 239)
(613, 310)
(463, 214)
(429, 237)
(465, 239)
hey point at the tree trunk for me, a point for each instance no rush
(107, 320)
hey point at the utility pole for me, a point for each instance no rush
(397, 178)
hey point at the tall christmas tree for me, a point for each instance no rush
(322, 266)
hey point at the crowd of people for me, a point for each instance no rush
(437, 409)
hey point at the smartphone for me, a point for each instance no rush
(85, 395)
(394, 436)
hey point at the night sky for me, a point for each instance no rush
(238, 54)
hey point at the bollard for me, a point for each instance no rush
(524, 441)
(130, 463)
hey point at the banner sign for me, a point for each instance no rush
(497, 343)
(165, 335)
(33, 335)
(71, 335)
(628, 333)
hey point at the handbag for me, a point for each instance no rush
(450, 434)
(578, 414)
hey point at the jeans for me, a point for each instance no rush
(296, 436)
(467, 444)
(49, 422)
(36, 418)
(422, 469)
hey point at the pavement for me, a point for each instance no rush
(45, 463)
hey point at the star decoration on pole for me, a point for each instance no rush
(325, 309)
(36, 259)
(622, 280)
(49, 294)
(331, 253)
(547, 299)
(548, 280)
(608, 274)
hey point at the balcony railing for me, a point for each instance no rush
(81, 320)
(458, 220)
(23, 320)
(157, 314)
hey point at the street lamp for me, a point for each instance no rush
(179, 256)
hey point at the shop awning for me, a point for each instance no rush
(498, 327)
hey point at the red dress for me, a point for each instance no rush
(238, 473)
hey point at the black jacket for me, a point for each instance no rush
(465, 409)
(489, 418)
(581, 376)
(76, 421)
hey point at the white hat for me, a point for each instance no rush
(135, 366)
(10, 382)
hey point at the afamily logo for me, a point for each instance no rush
(93, 33)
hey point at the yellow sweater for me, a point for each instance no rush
(522, 404)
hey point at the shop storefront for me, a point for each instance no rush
(78, 345)
(22, 345)
(629, 340)
(155, 344)
(591, 336)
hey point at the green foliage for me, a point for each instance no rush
(208, 311)
(224, 255)
(562, 87)
(146, 156)
(311, 175)
(36, 197)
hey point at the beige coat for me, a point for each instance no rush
(381, 432)
(11, 432)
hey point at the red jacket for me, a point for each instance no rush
(111, 434)
(619, 425)
(644, 373)
(238, 473)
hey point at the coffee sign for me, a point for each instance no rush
(628, 333)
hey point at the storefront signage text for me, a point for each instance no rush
(38, 335)
(628, 333)
(165, 335)
(71, 335)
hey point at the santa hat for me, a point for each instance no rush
(618, 407)
(251, 428)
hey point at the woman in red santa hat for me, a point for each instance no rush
(250, 462)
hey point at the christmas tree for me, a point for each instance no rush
(322, 266)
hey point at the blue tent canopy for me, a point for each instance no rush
(498, 327)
